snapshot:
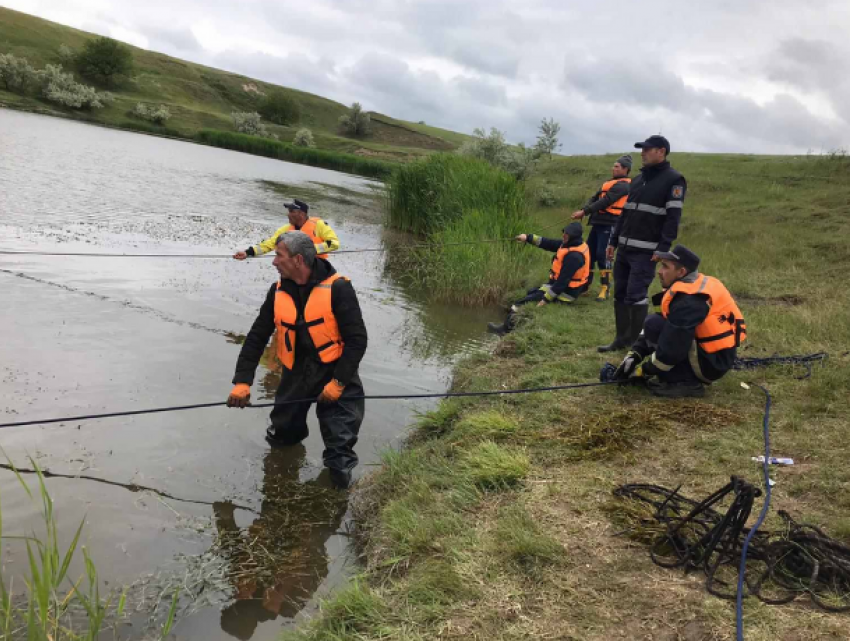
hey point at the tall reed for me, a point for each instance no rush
(468, 212)
(348, 163)
(426, 195)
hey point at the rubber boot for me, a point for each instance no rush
(621, 320)
(501, 329)
(497, 328)
(637, 317)
(685, 389)
(604, 282)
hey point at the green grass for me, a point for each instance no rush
(52, 605)
(201, 97)
(535, 544)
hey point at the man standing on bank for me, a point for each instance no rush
(320, 341)
(694, 340)
(650, 223)
(604, 210)
(323, 237)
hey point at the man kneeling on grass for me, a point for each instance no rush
(569, 276)
(694, 340)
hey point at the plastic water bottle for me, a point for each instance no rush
(774, 460)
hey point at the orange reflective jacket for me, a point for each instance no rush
(318, 318)
(724, 327)
(582, 274)
(615, 208)
(309, 228)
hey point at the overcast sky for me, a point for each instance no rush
(725, 75)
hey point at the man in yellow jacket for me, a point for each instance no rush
(324, 238)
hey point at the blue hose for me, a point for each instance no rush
(739, 607)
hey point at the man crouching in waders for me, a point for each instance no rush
(694, 340)
(569, 276)
(320, 341)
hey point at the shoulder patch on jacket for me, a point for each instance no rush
(678, 191)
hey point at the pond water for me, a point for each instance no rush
(194, 499)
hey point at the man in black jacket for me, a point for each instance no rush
(568, 278)
(603, 210)
(650, 223)
(693, 341)
(320, 341)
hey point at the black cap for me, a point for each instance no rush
(297, 204)
(659, 142)
(682, 255)
(573, 230)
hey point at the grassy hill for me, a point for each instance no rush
(201, 97)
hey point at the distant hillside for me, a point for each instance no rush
(201, 97)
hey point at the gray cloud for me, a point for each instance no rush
(168, 39)
(733, 75)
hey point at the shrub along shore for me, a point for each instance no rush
(468, 212)
(348, 163)
(497, 520)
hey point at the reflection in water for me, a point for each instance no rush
(278, 562)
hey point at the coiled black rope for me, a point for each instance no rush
(778, 567)
(806, 360)
(375, 397)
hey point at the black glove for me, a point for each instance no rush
(628, 366)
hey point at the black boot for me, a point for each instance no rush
(503, 328)
(621, 320)
(637, 317)
(497, 328)
(684, 389)
(341, 479)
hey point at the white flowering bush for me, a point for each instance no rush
(158, 115)
(61, 88)
(303, 138)
(16, 74)
(249, 122)
(492, 147)
(66, 54)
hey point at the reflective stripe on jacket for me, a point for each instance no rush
(647, 207)
(724, 327)
(318, 318)
(582, 274)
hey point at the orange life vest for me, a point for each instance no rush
(582, 274)
(309, 228)
(724, 327)
(318, 318)
(616, 208)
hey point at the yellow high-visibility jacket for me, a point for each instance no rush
(321, 232)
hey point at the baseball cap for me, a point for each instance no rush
(682, 255)
(298, 204)
(573, 230)
(654, 141)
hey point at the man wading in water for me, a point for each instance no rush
(320, 341)
(324, 238)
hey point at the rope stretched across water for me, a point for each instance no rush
(374, 397)
(12, 252)
(395, 248)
